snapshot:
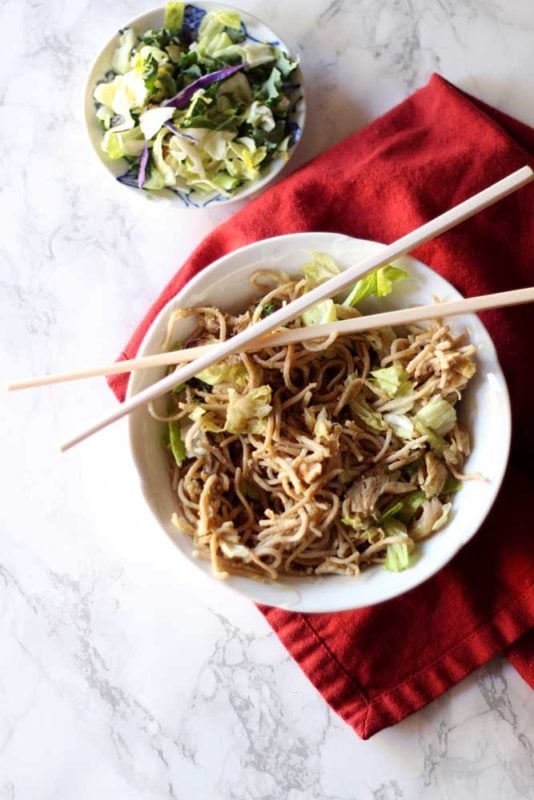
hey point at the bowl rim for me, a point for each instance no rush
(278, 165)
(392, 591)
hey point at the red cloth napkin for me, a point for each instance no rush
(376, 665)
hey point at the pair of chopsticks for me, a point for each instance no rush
(260, 334)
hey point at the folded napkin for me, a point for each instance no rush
(376, 665)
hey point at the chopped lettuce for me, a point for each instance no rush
(361, 409)
(392, 380)
(117, 144)
(320, 313)
(378, 283)
(224, 373)
(271, 87)
(120, 61)
(438, 415)
(214, 39)
(411, 503)
(320, 268)
(397, 557)
(402, 425)
(247, 413)
(260, 116)
(452, 485)
(152, 121)
(123, 93)
(177, 443)
(355, 522)
(397, 554)
(436, 442)
(174, 17)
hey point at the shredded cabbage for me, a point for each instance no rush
(378, 283)
(320, 268)
(397, 557)
(402, 425)
(174, 17)
(224, 373)
(438, 415)
(373, 419)
(392, 380)
(176, 443)
(153, 120)
(397, 554)
(320, 313)
(247, 413)
(120, 61)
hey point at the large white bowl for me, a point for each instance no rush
(485, 410)
(154, 19)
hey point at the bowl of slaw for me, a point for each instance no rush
(198, 103)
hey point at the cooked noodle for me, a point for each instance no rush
(310, 490)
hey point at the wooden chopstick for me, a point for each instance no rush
(400, 247)
(405, 316)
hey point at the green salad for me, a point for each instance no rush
(197, 106)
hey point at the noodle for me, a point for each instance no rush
(315, 483)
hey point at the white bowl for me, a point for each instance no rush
(154, 19)
(485, 409)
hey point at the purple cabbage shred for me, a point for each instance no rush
(141, 178)
(181, 99)
(176, 132)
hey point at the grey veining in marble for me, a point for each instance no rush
(121, 676)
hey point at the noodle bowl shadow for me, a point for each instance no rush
(484, 410)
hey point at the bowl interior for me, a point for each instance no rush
(154, 19)
(485, 410)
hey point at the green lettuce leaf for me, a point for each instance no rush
(452, 485)
(392, 380)
(373, 419)
(411, 503)
(224, 373)
(320, 313)
(378, 283)
(436, 442)
(174, 17)
(123, 93)
(438, 415)
(247, 413)
(397, 557)
(117, 144)
(120, 61)
(272, 87)
(392, 511)
(402, 425)
(177, 443)
(152, 120)
(320, 268)
(398, 554)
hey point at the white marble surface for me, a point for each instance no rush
(119, 676)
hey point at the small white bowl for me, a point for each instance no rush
(485, 410)
(154, 19)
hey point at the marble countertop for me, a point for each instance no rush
(119, 676)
